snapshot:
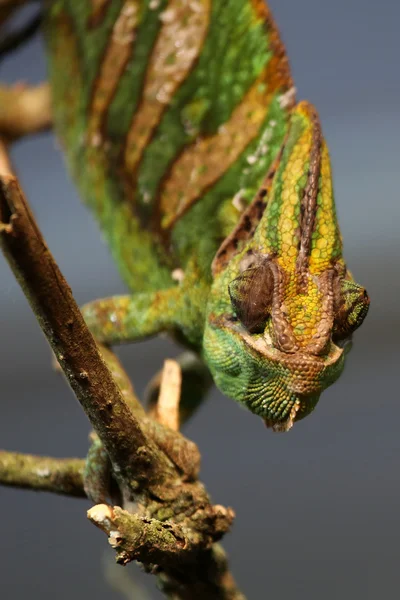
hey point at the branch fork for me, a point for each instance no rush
(174, 525)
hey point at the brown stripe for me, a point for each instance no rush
(247, 224)
(308, 207)
(320, 341)
(201, 164)
(114, 62)
(179, 43)
(99, 10)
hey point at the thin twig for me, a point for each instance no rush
(24, 109)
(167, 410)
(13, 40)
(5, 163)
(41, 473)
(8, 7)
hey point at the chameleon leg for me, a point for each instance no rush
(120, 319)
(98, 481)
(97, 473)
(129, 318)
(196, 381)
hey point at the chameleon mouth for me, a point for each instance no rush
(300, 408)
(287, 424)
(292, 383)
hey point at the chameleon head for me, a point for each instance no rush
(283, 305)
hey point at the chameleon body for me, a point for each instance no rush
(213, 190)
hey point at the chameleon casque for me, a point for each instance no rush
(213, 190)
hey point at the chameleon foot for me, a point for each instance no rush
(97, 473)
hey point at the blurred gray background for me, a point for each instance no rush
(317, 509)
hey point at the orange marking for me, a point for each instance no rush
(280, 76)
(288, 225)
(206, 160)
(114, 62)
(179, 42)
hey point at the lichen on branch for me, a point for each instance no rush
(42, 473)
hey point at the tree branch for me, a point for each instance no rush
(41, 473)
(187, 573)
(138, 459)
(209, 579)
(181, 451)
(174, 524)
(15, 39)
(137, 537)
(8, 7)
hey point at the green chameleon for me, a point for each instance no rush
(213, 190)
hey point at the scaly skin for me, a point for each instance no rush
(174, 115)
(283, 304)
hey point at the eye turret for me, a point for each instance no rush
(351, 307)
(251, 297)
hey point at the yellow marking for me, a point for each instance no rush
(114, 62)
(326, 224)
(207, 159)
(288, 224)
(184, 28)
(303, 310)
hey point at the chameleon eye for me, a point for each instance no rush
(251, 297)
(351, 308)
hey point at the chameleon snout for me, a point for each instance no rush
(292, 389)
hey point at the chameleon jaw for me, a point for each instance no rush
(287, 424)
(306, 377)
(279, 387)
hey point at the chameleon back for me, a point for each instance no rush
(170, 114)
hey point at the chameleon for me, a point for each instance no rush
(212, 187)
